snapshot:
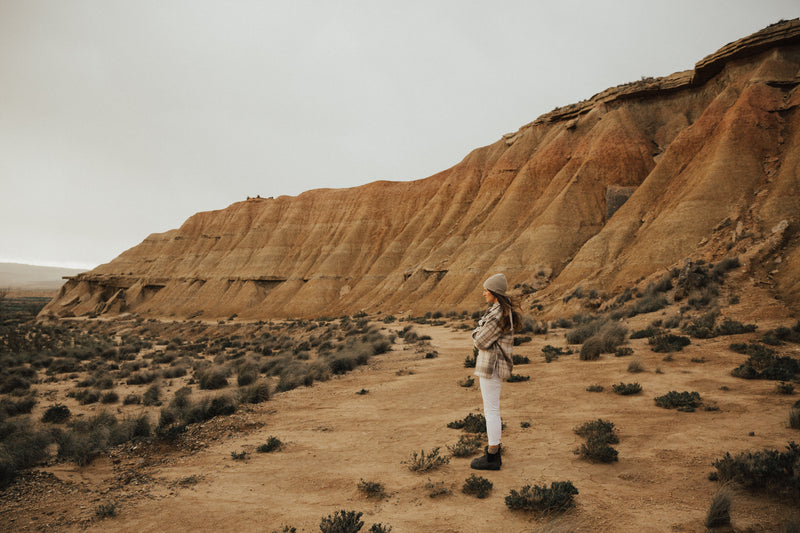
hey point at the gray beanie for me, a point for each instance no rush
(497, 284)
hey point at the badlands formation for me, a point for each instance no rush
(701, 164)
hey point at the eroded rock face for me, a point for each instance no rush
(677, 156)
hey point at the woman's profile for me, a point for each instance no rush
(494, 339)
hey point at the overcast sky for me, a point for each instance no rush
(123, 118)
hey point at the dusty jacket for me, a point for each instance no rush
(494, 346)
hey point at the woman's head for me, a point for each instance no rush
(496, 284)
(494, 291)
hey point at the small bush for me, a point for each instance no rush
(595, 388)
(515, 378)
(591, 349)
(425, 463)
(142, 378)
(719, 512)
(649, 331)
(151, 395)
(623, 351)
(784, 388)
(477, 486)
(635, 366)
(467, 382)
(342, 522)
(273, 444)
(372, 489)
(597, 449)
(682, 401)
(794, 418)
(213, 378)
(109, 397)
(466, 446)
(239, 456)
(256, 393)
(520, 359)
(556, 498)
(626, 389)
(769, 470)
(105, 510)
(551, 353)
(668, 343)
(437, 489)
(470, 361)
(472, 423)
(764, 364)
(55, 414)
(132, 399)
(599, 434)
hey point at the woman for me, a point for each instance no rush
(494, 339)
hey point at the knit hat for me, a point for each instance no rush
(497, 284)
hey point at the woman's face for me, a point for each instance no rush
(489, 297)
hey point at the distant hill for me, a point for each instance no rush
(19, 276)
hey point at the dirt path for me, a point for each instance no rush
(334, 437)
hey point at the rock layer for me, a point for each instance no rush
(703, 163)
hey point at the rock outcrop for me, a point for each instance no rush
(703, 163)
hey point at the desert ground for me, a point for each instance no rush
(365, 425)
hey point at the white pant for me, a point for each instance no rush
(490, 390)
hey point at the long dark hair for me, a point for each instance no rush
(508, 311)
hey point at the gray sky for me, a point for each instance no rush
(123, 118)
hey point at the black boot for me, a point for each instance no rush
(489, 461)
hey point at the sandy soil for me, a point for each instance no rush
(333, 438)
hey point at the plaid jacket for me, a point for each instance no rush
(494, 347)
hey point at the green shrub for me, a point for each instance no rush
(649, 331)
(784, 388)
(425, 463)
(342, 522)
(273, 444)
(477, 486)
(556, 498)
(597, 449)
(472, 423)
(436, 489)
(769, 470)
(520, 359)
(372, 489)
(626, 389)
(682, 401)
(466, 446)
(55, 414)
(239, 456)
(109, 397)
(595, 388)
(105, 510)
(467, 382)
(668, 343)
(471, 360)
(764, 364)
(552, 353)
(515, 378)
(623, 351)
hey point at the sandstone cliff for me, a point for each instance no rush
(702, 164)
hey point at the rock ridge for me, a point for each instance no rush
(600, 194)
